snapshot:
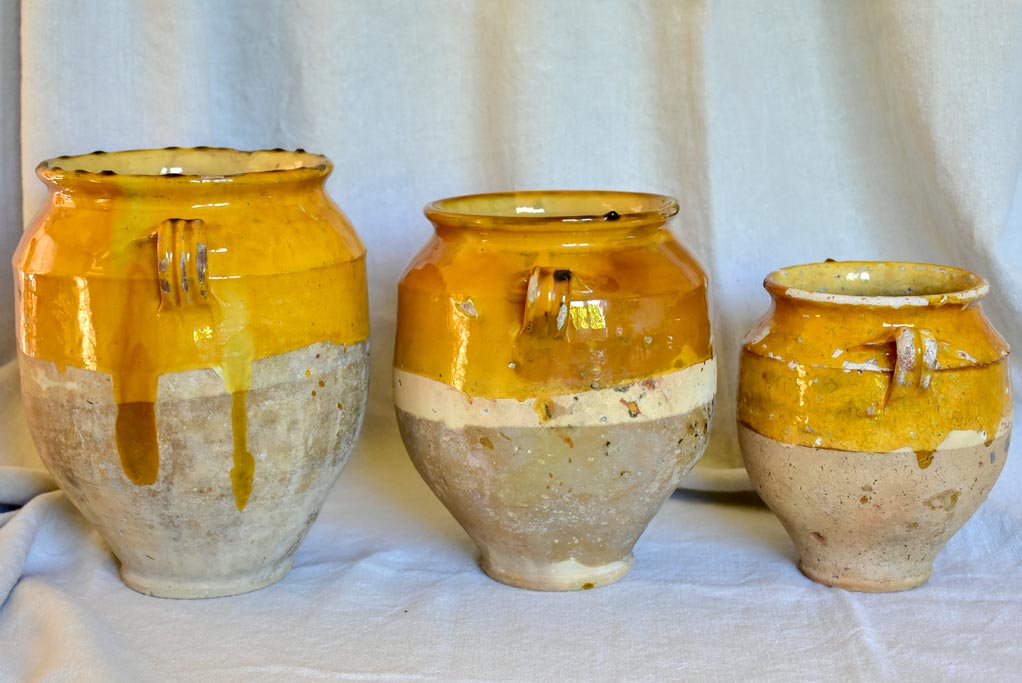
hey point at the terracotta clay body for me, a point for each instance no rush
(193, 342)
(553, 376)
(874, 415)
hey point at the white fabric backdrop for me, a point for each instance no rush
(792, 131)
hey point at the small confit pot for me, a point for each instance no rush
(553, 376)
(874, 410)
(193, 342)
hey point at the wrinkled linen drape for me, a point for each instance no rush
(791, 131)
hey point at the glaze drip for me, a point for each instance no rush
(243, 472)
(137, 441)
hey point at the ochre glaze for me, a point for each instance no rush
(924, 458)
(243, 471)
(185, 259)
(137, 443)
(530, 294)
(874, 357)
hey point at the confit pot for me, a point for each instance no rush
(193, 343)
(874, 409)
(553, 376)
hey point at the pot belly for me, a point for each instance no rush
(871, 521)
(190, 533)
(556, 490)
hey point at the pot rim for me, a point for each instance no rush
(90, 169)
(968, 286)
(610, 209)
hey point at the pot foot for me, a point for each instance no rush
(567, 575)
(838, 579)
(190, 588)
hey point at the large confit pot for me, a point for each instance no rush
(193, 342)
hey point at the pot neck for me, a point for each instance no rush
(898, 290)
(561, 219)
(197, 176)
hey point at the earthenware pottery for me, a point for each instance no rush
(553, 376)
(874, 413)
(193, 341)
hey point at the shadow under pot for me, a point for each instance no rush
(193, 345)
(553, 376)
(874, 411)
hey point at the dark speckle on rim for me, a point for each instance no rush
(278, 149)
(99, 151)
(107, 171)
(300, 150)
(611, 216)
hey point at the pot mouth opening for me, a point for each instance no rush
(552, 210)
(193, 164)
(877, 283)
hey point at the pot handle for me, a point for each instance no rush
(181, 261)
(547, 300)
(915, 361)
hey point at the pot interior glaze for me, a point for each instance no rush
(577, 210)
(193, 163)
(877, 283)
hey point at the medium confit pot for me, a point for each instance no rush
(874, 411)
(554, 376)
(193, 342)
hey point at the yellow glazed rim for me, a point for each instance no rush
(573, 210)
(886, 284)
(183, 165)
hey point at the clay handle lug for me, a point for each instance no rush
(915, 352)
(547, 300)
(182, 263)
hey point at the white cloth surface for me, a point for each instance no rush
(792, 131)
(385, 587)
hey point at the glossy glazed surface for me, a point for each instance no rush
(875, 357)
(528, 294)
(153, 262)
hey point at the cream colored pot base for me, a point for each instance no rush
(184, 536)
(566, 575)
(873, 521)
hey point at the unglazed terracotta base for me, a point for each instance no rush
(179, 587)
(873, 521)
(184, 536)
(556, 491)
